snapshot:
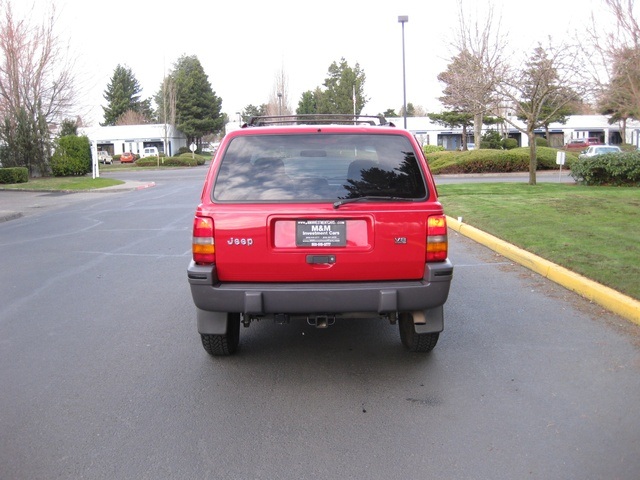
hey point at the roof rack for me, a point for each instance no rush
(318, 119)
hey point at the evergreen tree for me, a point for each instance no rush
(338, 96)
(253, 111)
(411, 110)
(123, 95)
(25, 142)
(342, 84)
(197, 108)
(308, 103)
(68, 127)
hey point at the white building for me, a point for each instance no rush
(577, 126)
(134, 138)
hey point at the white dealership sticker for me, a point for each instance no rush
(321, 233)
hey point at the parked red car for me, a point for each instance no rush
(127, 157)
(582, 143)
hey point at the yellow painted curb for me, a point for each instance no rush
(610, 299)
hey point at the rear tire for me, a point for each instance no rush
(413, 341)
(227, 344)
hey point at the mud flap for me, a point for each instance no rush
(211, 323)
(433, 321)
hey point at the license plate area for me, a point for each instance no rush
(321, 233)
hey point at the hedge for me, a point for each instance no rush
(199, 158)
(620, 169)
(182, 161)
(432, 149)
(494, 161)
(14, 175)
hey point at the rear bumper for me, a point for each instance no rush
(320, 298)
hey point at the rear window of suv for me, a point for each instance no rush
(312, 167)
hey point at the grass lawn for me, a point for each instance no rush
(63, 183)
(594, 231)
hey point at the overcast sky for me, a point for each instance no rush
(243, 44)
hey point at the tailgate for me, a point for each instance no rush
(317, 243)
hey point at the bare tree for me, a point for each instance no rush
(34, 73)
(279, 97)
(166, 101)
(626, 34)
(616, 68)
(471, 76)
(418, 111)
(36, 80)
(131, 117)
(168, 105)
(538, 92)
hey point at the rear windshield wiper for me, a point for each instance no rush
(371, 198)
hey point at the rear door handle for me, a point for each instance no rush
(321, 259)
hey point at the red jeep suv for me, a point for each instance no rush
(319, 218)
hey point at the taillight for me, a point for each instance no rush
(203, 245)
(437, 243)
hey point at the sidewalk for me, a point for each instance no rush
(19, 203)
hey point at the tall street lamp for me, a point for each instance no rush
(279, 103)
(403, 19)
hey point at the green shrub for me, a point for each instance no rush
(547, 157)
(199, 158)
(427, 149)
(182, 150)
(541, 142)
(609, 169)
(72, 156)
(181, 161)
(14, 175)
(491, 139)
(509, 143)
(147, 162)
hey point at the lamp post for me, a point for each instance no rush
(403, 19)
(279, 103)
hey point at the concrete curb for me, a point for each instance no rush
(123, 187)
(146, 185)
(6, 216)
(608, 298)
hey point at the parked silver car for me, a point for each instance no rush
(594, 150)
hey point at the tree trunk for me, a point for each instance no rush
(547, 136)
(477, 129)
(464, 137)
(533, 159)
